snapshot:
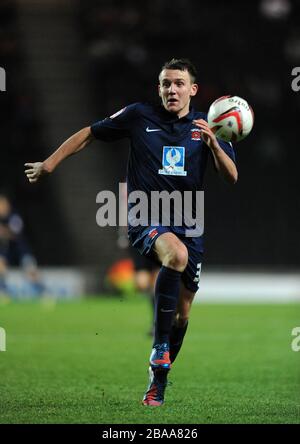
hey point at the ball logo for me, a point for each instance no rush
(239, 102)
(233, 112)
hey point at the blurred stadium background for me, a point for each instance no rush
(71, 62)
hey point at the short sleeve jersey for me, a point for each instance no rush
(167, 152)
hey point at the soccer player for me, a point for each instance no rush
(170, 145)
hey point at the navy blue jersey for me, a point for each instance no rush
(166, 153)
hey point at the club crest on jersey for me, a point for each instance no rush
(195, 134)
(117, 113)
(173, 161)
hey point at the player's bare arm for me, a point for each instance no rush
(225, 166)
(75, 143)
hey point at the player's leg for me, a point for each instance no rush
(173, 255)
(154, 274)
(189, 286)
(180, 322)
(144, 280)
(158, 377)
(143, 283)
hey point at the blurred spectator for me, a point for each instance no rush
(14, 249)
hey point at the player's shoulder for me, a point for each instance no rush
(127, 113)
(145, 108)
(200, 115)
(133, 110)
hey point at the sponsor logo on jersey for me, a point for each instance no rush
(173, 161)
(151, 130)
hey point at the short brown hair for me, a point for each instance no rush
(182, 65)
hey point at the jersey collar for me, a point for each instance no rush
(169, 117)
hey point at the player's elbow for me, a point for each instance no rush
(89, 135)
(233, 174)
(231, 177)
(234, 178)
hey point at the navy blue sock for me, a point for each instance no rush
(176, 339)
(166, 298)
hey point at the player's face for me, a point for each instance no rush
(176, 89)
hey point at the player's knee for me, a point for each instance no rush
(177, 258)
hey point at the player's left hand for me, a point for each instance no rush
(206, 133)
(35, 170)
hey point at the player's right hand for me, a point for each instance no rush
(34, 171)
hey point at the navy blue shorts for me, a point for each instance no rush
(143, 239)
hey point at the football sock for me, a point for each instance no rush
(152, 301)
(166, 297)
(151, 296)
(176, 339)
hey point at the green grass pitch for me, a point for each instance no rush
(86, 362)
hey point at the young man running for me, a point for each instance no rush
(170, 144)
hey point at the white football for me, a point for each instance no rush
(230, 118)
